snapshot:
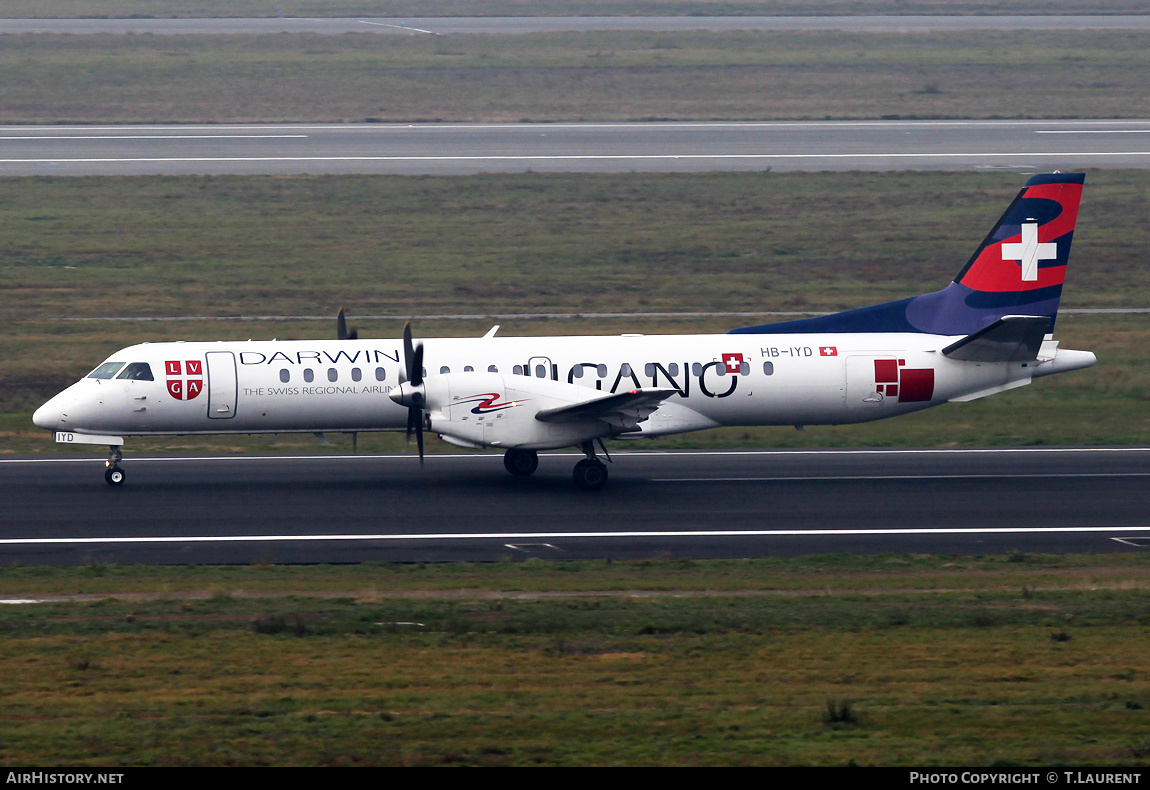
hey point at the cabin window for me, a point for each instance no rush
(137, 371)
(696, 369)
(517, 370)
(106, 371)
(577, 371)
(673, 368)
(540, 371)
(356, 374)
(492, 369)
(332, 374)
(285, 375)
(625, 370)
(601, 371)
(649, 369)
(744, 368)
(769, 368)
(309, 375)
(445, 369)
(380, 374)
(468, 369)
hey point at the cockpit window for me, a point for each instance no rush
(137, 371)
(106, 371)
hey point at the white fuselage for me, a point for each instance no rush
(344, 385)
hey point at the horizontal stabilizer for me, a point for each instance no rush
(628, 407)
(1012, 338)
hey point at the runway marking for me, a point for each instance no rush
(436, 457)
(521, 537)
(824, 478)
(398, 27)
(569, 157)
(152, 137)
(638, 125)
(1093, 131)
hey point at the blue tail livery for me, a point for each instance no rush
(1017, 270)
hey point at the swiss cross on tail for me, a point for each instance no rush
(182, 388)
(1029, 252)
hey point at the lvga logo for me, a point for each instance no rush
(185, 378)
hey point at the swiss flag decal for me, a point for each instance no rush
(733, 362)
(828, 351)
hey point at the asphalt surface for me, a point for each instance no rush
(464, 507)
(455, 149)
(542, 24)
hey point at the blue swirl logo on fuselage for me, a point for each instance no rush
(486, 403)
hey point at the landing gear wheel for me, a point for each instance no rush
(590, 474)
(521, 463)
(114, 476)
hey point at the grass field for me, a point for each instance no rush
(225, 248)
(573, 76)
(1017, 660)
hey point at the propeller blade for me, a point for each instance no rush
(413, 363)
(419, 437)
(408, 351)
(417, 365)
(341, 330)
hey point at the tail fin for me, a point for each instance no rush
(1018, 270)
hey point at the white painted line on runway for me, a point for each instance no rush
(106, 137)
(571, 157)
(521, 537)
(650, 454)
(1093, 131)
(398, 27)
(637, 125)
(850, 478)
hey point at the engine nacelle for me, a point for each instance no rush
(497, 410)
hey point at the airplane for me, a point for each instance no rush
(988, 331)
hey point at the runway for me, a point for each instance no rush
(557, 24)
(459, 149)
(464, 507)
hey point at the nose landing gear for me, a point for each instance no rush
(113, 474)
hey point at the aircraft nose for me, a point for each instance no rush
(49, 415)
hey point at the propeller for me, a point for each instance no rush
(341, 331)
(411, 391)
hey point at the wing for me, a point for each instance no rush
(622, 410)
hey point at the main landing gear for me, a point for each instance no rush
(521, 463)
(113, 474)
(590, 474)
